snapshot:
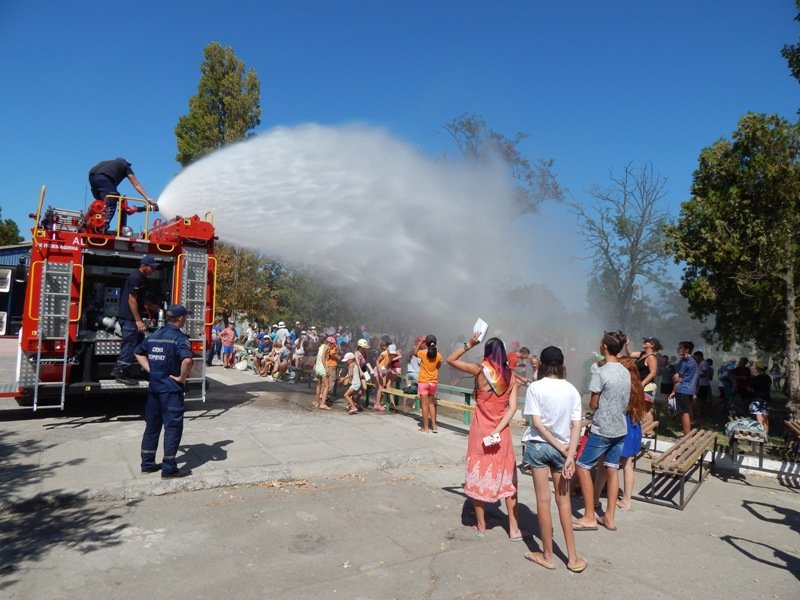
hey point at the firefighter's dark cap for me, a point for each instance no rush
(177, 310)
(149, 261)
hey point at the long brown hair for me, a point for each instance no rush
(636, 405)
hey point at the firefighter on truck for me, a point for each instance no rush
(95, 288)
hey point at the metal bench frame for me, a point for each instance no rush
(678, 464)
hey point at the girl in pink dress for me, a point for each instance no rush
(491, 469)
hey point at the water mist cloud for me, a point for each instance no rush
(359, 206)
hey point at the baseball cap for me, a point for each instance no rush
(177, 310)
(362, 343)
(281, 324)
(148, 261)
(392, 349)
(348, 356)
(551, 356)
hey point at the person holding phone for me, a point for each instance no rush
(491, 472)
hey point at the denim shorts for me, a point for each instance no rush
(542, 454)
(596, 446)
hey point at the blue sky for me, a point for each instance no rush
(596, 85)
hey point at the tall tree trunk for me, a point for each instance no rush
(792, 372)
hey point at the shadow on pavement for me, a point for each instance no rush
(759, 552)
(199, 454)
(30, 529)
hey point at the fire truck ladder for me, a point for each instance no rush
(194, 282)
(54, 304)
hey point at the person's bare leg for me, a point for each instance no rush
(600, 480)
(626, 464)
(432, 412)
(348, 395)
(608, 520)
(564, 507)
(587, 489)
(513, 522)
(317, 392)
(541, 487)
(686, 422)
(425, 400)
(480, 516)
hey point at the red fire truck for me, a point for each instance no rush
(69, 340)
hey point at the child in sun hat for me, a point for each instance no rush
(353, 381)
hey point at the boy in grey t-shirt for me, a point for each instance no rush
(611, 390)
(612, 382)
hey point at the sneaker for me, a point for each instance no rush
(127, 380)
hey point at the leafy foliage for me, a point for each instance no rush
(733, 232)
(245, 283)
(791, 52)
(224, 110)
(624, 231)
(9, 232)
(535, 183)
(738, 236)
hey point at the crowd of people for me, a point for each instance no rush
(560, 443)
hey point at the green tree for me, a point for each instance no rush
(535, 183)
(245, 283)
(9, 232)
(791, 52)
(738, 236)
(623, 229)
(225, 109)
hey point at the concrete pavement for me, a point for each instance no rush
(242, 434)
(288, 502)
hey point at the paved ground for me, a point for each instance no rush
(286, 502)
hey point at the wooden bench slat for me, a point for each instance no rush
(685, 452)
(793, 426)
(468, 408)
(455, 405)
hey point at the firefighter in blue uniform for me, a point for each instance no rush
(167, 356)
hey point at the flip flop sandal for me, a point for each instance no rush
(535, 558)
(579, 569)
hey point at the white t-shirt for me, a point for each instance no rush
(557, 403)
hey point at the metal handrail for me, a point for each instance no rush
(38, 214)
(147, 210)
(214, 297)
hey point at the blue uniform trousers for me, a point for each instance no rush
(163, 409)
(131, 337)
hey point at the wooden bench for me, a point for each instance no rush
(753, 439)
(792, 439)
(397, 393)
(467, 393)
(676, 466)
(468, 409)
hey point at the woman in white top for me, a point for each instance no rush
(554, 406)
